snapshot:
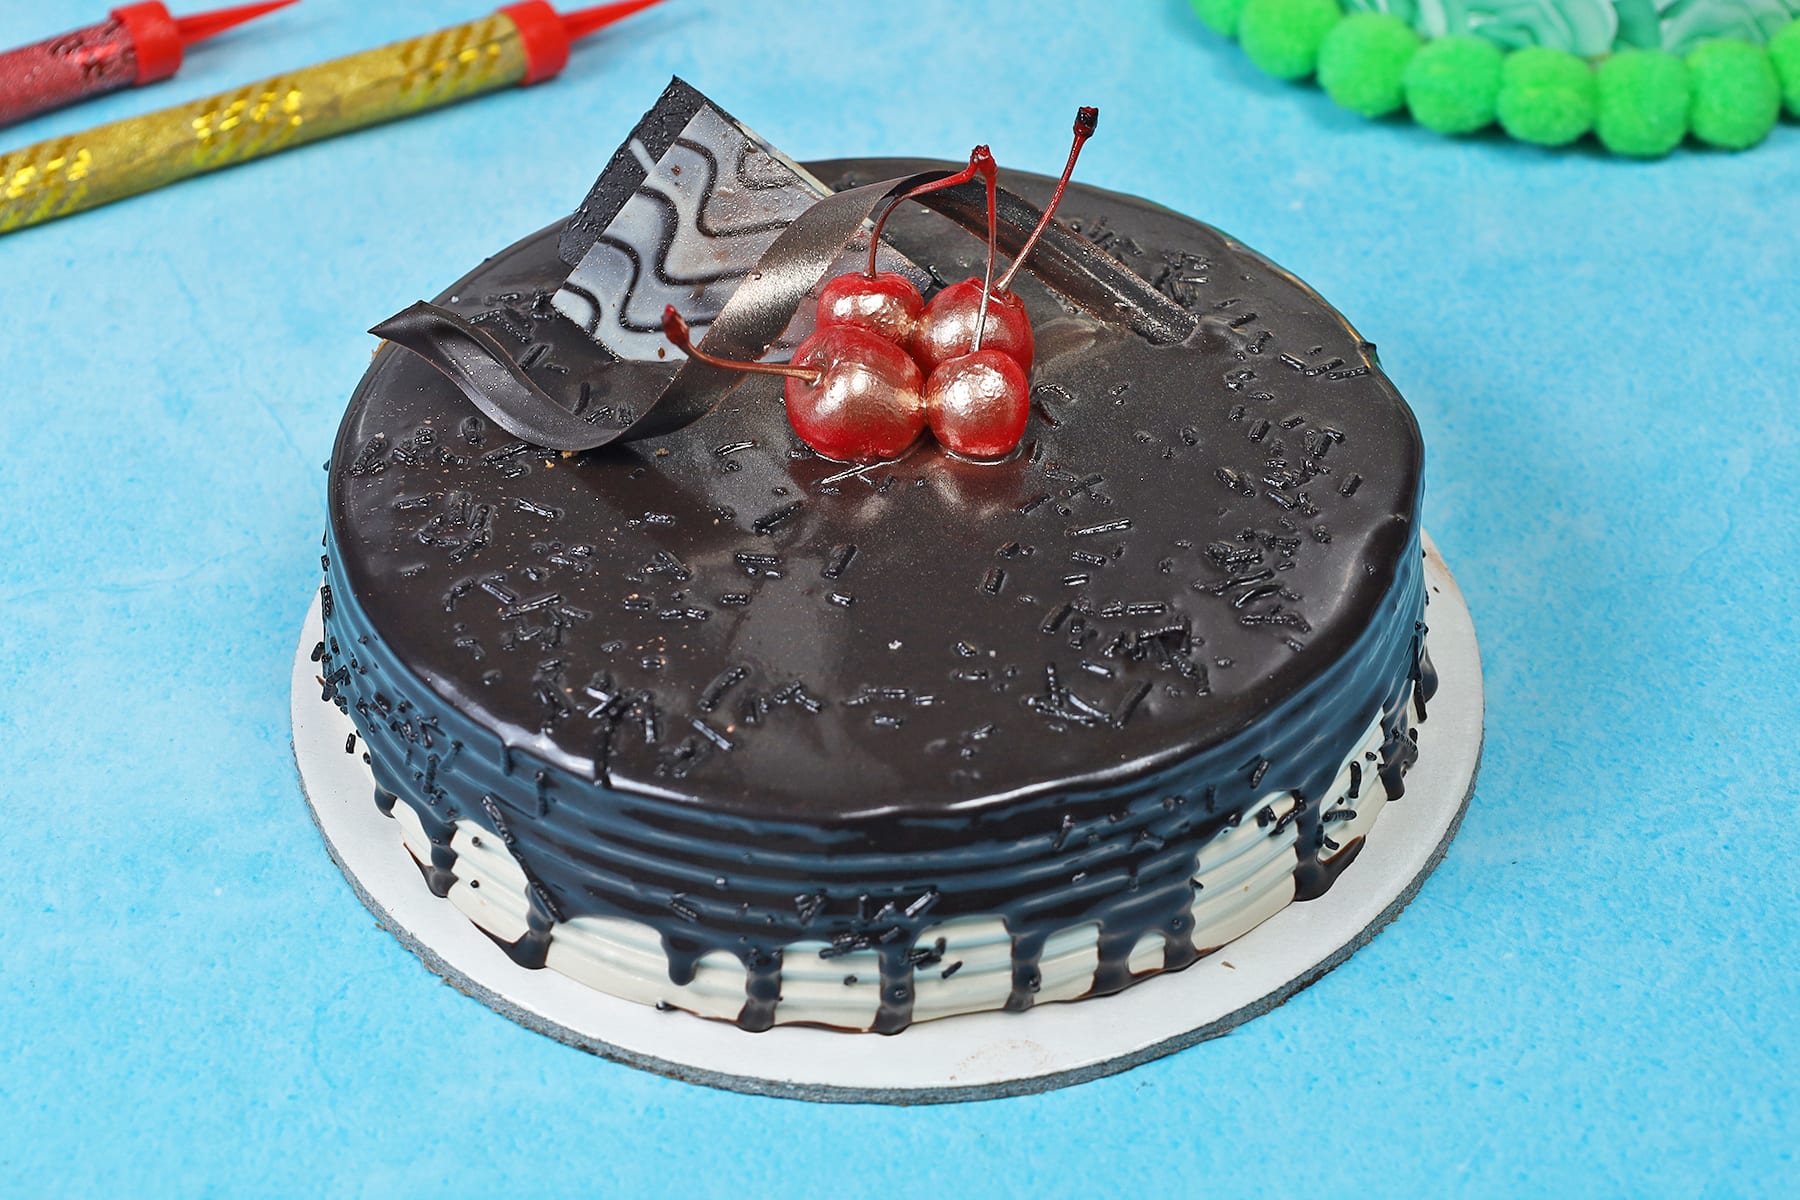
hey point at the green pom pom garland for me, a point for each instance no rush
(1282, 37)
(1784, 56)
(1453, 83)
(1737, 96)
(1546, 96)
(1221, 16)
(1641, 100)
(1362, 62)
(1725, 93)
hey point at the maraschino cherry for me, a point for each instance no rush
(977, 404)
(850, 395)
(885, 302)
(978, 387)
(855, 390)
(969, 315)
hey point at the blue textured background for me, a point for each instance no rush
(1597, 991)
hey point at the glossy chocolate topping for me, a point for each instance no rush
(718, 684)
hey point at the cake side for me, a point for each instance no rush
(1074, 895)
(1114, 672)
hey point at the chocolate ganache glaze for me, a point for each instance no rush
(757, 701)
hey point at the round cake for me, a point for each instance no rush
(709, 722)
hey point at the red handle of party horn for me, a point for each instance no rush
(548, 34)
(135, 45)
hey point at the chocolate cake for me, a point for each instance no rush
(706, 721)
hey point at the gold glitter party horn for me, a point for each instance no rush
(520, 44)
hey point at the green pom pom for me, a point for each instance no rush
(1784, 54)
(1220, 16)
(1453, 82)
(1546, 96)
(1736, 94)
(1283, 36)
(1363, 60)
(1641, 103)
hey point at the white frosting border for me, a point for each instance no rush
(1243, 875)
(978, 1053)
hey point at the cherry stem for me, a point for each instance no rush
(981, 162)
(675, 328)
(987, 278)
(1086, 120)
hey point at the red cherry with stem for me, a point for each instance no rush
(972, 315)
(977, 404)
(850, 396)
(867, 405)
(952, 325)
(885, 302)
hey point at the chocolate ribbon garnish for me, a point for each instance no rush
(757, 313)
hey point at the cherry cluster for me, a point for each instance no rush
(882, 365)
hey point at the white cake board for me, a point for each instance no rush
(970, 1057)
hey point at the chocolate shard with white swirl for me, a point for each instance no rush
(680, 217)
(705, 721)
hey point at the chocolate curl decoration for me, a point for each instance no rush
(757, 313)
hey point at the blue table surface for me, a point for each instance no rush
(1597, 991)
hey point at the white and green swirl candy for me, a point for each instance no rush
(1685, 23)
(1592, 28)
